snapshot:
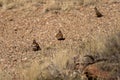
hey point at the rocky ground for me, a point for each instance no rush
(18, 28)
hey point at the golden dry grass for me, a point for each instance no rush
(48, 67)
(55, 67)
(50, 4)
(11, 4)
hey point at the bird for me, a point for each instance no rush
(98, 14)
(59, 35)
(35, 46)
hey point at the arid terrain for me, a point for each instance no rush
(84, 33)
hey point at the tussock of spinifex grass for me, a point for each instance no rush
(49, 68)
(93, 44)
(114, 44)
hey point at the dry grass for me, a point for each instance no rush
(56, 67)
(4, 75)
(114, 44)
(31, 73)
(11, 4)
(49, 4)
(49, 67)
(93, 45)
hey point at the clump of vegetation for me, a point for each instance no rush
(49, 68)
(113, 44)
(65, 64)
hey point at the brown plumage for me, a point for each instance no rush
(98, 14)
(35, 46)
(59, 36)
